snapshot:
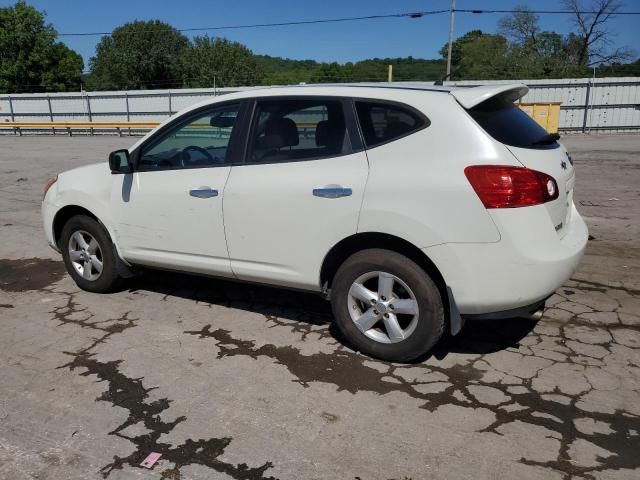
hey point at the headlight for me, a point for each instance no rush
(49, 184)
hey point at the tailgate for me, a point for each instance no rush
(493, 110)
(553, 161)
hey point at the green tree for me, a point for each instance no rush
(284, 71)
(541, 54)
(477, 55)
(485, 58)
(139, 55)
(329, 73)
(456, 51)
(523, 50)
(538, 54)
(30, 58)
(404, 69)
(220, 62)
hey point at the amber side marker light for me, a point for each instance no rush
(49, 184)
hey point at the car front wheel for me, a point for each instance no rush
(88, 255)
(387, 305)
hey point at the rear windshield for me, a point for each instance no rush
(509, 125)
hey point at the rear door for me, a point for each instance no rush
(533, 147)
(299, 191)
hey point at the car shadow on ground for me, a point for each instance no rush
(476, 337)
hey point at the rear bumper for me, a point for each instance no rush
(524, 268)
(520, 312)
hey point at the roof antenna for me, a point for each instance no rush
(440, 82)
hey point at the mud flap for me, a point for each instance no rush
(456, 322)
(122, 268)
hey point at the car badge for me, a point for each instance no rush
(563, 164)
(569, 158)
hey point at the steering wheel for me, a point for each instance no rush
(184, 155)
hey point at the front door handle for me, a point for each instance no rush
(203, 192)
(332, 191)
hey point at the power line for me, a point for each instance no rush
(284, 24)
(546, 12)
(418, 14)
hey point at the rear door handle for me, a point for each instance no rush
(332, 191)
(203, 192)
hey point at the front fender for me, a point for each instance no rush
(88, 188)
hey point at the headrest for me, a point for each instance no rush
(279, 132)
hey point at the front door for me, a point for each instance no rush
(298, 193)
(169, 211)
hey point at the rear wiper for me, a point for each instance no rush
(547, 139)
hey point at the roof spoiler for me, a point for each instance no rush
(470, 97)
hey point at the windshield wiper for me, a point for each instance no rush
(549, 138)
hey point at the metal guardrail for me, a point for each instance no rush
(119, 127)
(69, 127)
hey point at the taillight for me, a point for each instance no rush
(509, 187)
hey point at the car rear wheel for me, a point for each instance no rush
(387, 305)
(88, 255)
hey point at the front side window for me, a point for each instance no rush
(304, 129)
(383, 122)
(201, 141)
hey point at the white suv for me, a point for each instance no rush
(411, 208)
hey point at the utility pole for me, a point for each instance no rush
(452, 13)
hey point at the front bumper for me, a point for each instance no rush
(49, 211)
(525, 267)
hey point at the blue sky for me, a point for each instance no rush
(340, 42)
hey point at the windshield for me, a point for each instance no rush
(509, 125)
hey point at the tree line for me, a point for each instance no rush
(153, 54)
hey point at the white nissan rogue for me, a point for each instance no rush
(412, 208)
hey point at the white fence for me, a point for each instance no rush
(602, 104)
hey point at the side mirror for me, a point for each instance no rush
(119, 161)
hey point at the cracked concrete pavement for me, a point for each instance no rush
(231, 381)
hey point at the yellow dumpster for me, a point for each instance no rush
(546, 114)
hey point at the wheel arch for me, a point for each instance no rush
(361, 241)
(63, 215)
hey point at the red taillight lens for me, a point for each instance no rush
(509, 187)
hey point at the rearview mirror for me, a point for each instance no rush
(222, 120)
(119, 161)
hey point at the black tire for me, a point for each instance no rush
(108, 280)
(430, 321)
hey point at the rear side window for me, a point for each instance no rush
(383, 122)
(505, 122)
(300, 129)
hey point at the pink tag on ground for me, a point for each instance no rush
(151, 459)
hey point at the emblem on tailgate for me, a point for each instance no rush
(569, 158)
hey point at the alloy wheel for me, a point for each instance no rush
(383, 307)
(85, 255)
